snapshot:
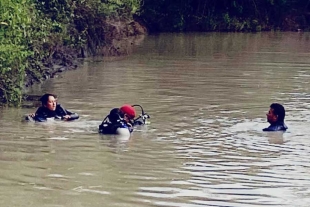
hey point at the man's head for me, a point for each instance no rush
(128, 111)
(49, 101)
(276, 113)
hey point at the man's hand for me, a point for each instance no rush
(66, 117)
(129, 124)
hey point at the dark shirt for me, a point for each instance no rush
(43, 113)
(108, 127)
(278, 126)
(115, 120)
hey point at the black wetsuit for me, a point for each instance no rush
(115, 120)
(108, 127)
(43, 113)
(278, 126)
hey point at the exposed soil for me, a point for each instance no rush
(120, 37)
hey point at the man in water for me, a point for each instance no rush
(118, 120)
(275, 117)
(50, 109)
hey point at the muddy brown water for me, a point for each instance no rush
(207, 95)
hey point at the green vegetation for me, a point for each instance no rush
(225, 15)
(37, 34)
(14, 36)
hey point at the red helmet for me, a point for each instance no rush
(129, 110)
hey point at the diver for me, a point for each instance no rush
(122, 118)
(275, 117)
(50, 109)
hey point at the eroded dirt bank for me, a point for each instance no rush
(117, 39)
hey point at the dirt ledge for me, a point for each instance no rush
(120, 37)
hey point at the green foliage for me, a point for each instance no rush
(14, 35)
(12, 66)
(36, 33)
(225, 15)
(55, 10)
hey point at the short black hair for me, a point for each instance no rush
(278, 110)
(44, 98)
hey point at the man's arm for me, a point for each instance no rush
(40, 115)
(65, 114)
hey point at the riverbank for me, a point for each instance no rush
(48, 37)
(120, 39)
(45, 38)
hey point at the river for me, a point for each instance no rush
(207, 95)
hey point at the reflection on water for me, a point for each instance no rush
(207, 95)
